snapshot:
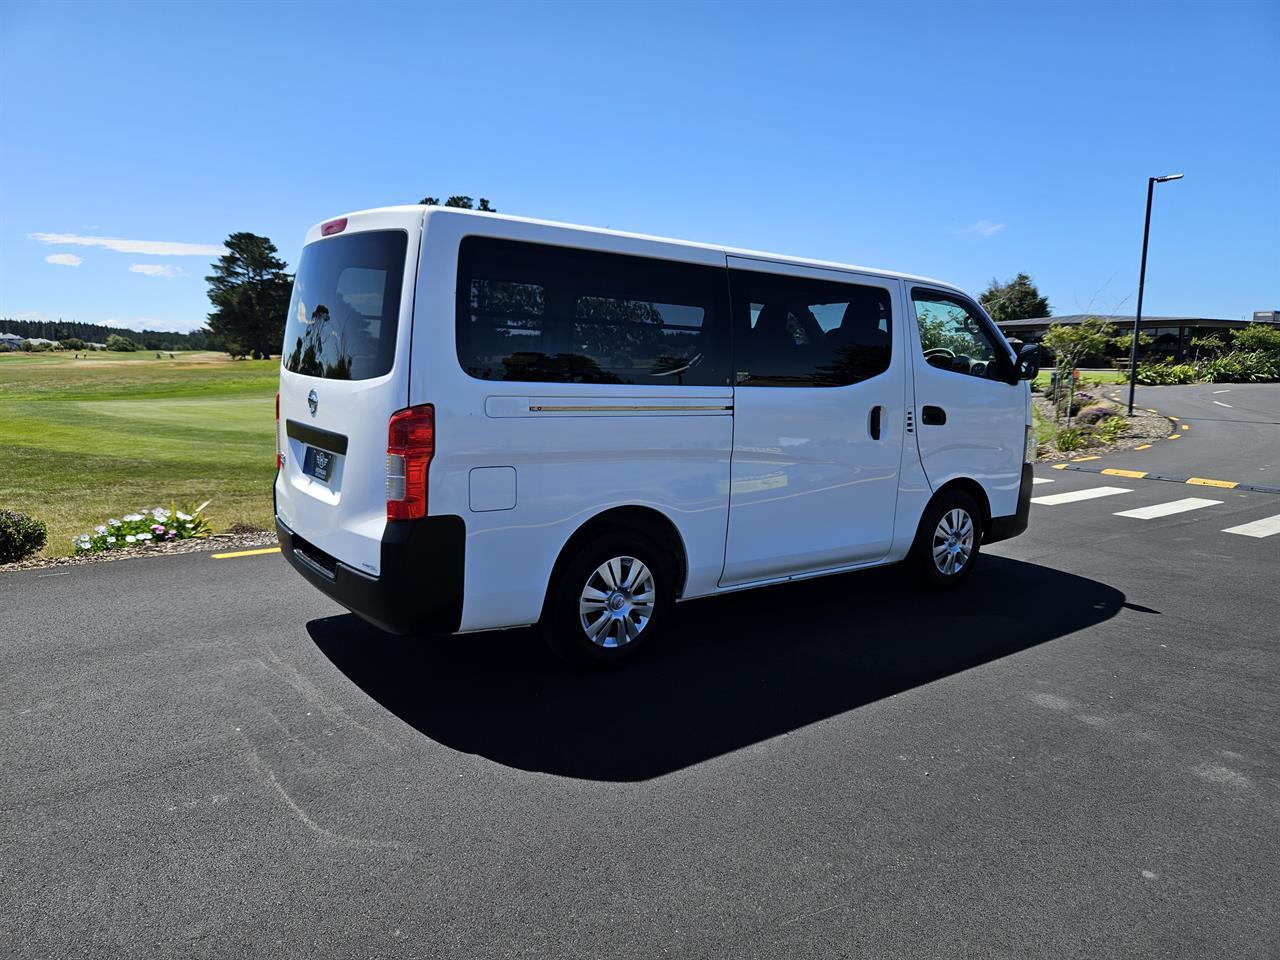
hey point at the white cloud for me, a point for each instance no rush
(156, 270)
(64, 259)
(984, 228)
(154, 248)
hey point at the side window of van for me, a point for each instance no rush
(953, 337)
(542, 314)
(799, 332)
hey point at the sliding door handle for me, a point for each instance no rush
(874, 425)
(933, 416)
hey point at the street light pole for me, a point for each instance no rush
(1142, 280)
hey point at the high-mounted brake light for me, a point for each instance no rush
(411, 443)
(279, 447)
(333, 226)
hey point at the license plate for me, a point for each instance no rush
(318, 463)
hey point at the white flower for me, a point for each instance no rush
(101, 529)
(111, 539)
(159, 514)
(144, 536)
(131, 517)
(113, 522)
(130, 539)
(183, 516)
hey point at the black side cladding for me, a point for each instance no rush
(419, 590)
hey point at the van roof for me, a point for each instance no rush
(731, 251)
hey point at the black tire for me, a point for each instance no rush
(566, 628)
(932, 537)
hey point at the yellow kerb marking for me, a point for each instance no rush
(1173, 436)
(1083, 459)
(1152, 410)
(1145, 446)
(246, 553)
(1135, 474)
(1204, 482)
(1059, 466)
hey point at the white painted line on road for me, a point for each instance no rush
(1222, 391)
(1265, 527)
(1221, 404)
(1092, 493)
(1035, 480)
(1168, 509)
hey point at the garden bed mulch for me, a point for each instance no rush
(218, 541)
(1144, 427)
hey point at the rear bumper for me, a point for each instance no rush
(420, 587)
(1002, 528)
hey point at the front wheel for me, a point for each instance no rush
(608, 602)
(948, 540)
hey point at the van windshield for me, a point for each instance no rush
(345, 306)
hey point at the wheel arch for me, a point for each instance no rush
(646, 522)
(971, 487)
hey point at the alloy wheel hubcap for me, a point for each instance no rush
(617, 601)
(953, 542)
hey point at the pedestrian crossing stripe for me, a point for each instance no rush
(1072, 496)
(1266, 527)
(1168, 509)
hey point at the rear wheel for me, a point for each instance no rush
(948, 540)
(609, 600)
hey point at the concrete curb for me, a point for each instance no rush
(1192, 481)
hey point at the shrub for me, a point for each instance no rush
(1111, 429)
(143, 527)
(1071, 438)
(1241, 366)
(1166, 374)
(120, 344)
(20, 536)
(1258, 336)
(1095, 413)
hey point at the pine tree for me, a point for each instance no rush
(250, 293)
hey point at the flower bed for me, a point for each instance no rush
(144, 527)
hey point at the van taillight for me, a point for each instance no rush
(279, 448)
(411, 442)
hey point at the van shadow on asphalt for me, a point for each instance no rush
(734, 670)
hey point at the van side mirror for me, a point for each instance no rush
(1028, 361)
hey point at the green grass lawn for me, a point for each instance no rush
(84, 440)
(1091, 377)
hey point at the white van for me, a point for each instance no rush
(487, 421)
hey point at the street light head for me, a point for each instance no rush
(1167, 178)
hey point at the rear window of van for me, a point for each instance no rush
(346, 306)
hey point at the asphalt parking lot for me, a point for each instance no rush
(1073, 756)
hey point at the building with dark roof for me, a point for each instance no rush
(1170, 335)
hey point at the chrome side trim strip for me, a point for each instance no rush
(627, 408)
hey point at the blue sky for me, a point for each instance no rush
(961, 141)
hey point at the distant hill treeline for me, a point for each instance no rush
(97, 333)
